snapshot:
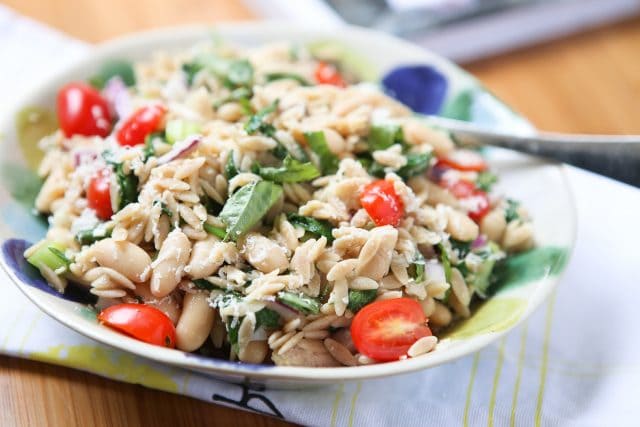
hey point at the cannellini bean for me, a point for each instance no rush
(441, 316)
(169, 305)
(459, 287)
(437, 195)
(170, 263)
(206, 257)
(518, 236)
(124, 257)
(416, 132)
(254, 352)
(428, 306)
(195, 322)
(460, 226)
(493, 225)
(263, 253)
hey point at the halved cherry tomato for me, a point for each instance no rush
(142, 322)
(99, 194)
(83, 111)
(328, 74)
(141, 123)
(471, 198)
(382, 203)
(464, 160)
(384, 330)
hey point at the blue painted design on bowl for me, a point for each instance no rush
(420, 87)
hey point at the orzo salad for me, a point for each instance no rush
(264, 205)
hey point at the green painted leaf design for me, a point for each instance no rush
(495, 315)
(22, 183)
(460, 106)
(32, 124)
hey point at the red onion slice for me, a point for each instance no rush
(117, 94)
(181, 149)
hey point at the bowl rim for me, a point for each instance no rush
(192, 33)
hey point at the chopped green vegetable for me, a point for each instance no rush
(51, 255)
(417, 163)
(177, 130)
(511, 212)
(481, 279)
(240, 95)
(230, 169)
(240, 73)
(247, 206)
(416, 269)
(190, 69)
(127, 183)
(283, 75)
(212, 207)
(87, 237)
(232, 73)
(358, 299)
(215, 231)
(203, 284)
(376, 169)
(267, 318)
(149, 150)
(233, 326)
(299, 302)
(383, 136)
(291, 170)
(312, 225)
(256, 122)
(318, 143)
(446, 264)
(113, 68)
(163, 208)
(485, 180)
(463, 248)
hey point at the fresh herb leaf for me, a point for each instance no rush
(416, 269)
(485, 180)
(463, 248)
(446, 263)
(312, 225)
(247, 206)
(127, 183)
(267, 318)
(511, 212)
(230, 169)
(215, 231)
(149, 150)
(240, 73)
(417, 163)
(232, 73)
(358, 299)
(233, 326)
(256, 122)
(190, 69)
(299, 302)
(291, 170)
(203, 284)
(383, 136)
(270, 77)
(212, 207)
(318, 143)
(87, 237)
(240, 95)
(113, 68)
(163, 208)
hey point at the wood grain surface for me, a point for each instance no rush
(586, 83)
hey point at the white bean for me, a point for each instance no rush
(441, 316)
(263, 253)
(416, 132)
(493, 225)
(460, 226)
(195, 322)
(518, 236)
(254, 352)
(169, 265)
(206, 258)
(169, 305)
(124, 257)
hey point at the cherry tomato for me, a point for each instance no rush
(464, 160)
(382, 203)
(328, 74)
(384, 330)
(140, 124)
(477, 204)
(142, 322)
(83, 111)
(461, 188)
(99, 194)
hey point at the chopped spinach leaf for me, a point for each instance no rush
(240, 95)
(358, 299)
(416, 269)
(267, 318)
(291, 170)
(511, 212)
(230, 169)
(417, 163)
(127, 183)
(87, 237)
(247, 206)
(312, 225)
(299, 302)
(463, 248)
(318, 143)
(60, 255)
(163, 208)
(446, 263)
(212, 207)
(485, 180)
(256, 122)
(233, 326)
(203, 284)
(215, 231)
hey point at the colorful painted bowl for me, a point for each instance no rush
(422, 80)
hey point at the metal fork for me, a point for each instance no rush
(615, 156)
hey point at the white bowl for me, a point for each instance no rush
(541, 186)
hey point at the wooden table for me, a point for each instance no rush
(586, 83)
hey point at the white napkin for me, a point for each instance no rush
(574, 362)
